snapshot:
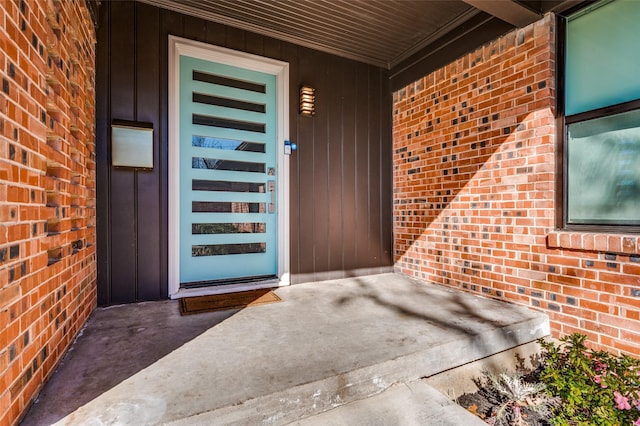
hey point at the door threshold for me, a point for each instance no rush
(229, 288)
(229, 281)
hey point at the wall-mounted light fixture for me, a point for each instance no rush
(307, 101)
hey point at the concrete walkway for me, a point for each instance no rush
(326, 345)
(405, 404)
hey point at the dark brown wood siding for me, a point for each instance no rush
(340, 176)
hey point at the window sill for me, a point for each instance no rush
(584, 241)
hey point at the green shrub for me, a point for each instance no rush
(596, 387)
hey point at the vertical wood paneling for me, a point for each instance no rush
(273, 49)
(149, 239)
(102, 157)
(386, 172)
(306, 169)
(335, 115)
(321, 172)
(340, 216)
(123, 198)
(194, 28)
(235, 39)
(216, 34)
(374, 167)
(349, 171)
(254, 44)
(363, 133)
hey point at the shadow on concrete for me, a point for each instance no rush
(448, 309)
(116, 343)
(328, 344)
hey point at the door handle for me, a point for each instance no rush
(272, 189)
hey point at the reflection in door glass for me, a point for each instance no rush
(217, 164)
(227, 207)
(222, 249)
(227, 144)
(229, 228)
(226, 186)
(223, 80)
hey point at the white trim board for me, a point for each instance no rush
(183, 47)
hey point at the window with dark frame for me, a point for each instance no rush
(601, 153)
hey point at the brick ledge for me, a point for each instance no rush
(586, 241)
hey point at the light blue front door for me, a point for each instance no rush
(227, 174)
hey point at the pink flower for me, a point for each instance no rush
(598, 380)
(637, 422)
(622, 402)
(600, 366)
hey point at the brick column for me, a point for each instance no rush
(47, 190)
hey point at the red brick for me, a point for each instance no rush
(614, 244)
(23, 200)
(631, 269)
(620, 322)
(569, 329)
(620, 278)
(626, 346)
(602, 243)
(599, 307)
(579, 313)
(629, 245)
(631, 314)
(509, 183)
(599, 328)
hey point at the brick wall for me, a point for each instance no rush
(47, 190)
(474, 194)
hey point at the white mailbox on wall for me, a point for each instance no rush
(132, 145)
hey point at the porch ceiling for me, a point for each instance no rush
(378, 32)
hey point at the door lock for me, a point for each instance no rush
(271, 185)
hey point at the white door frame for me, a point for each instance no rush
(183, 47)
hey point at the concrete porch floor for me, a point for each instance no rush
(328, 344)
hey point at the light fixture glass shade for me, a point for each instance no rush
(307, 101)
